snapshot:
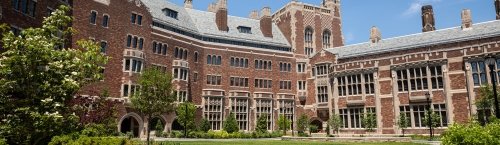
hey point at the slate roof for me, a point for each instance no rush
(203, 23)
(480, 30)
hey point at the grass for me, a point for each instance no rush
(286, 143)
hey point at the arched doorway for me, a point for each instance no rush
(130, 124)
(176, 125)
(317, 123)
(157, 124)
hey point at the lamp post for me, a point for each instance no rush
(491, 64)
(429, 117)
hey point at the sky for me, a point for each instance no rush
(393, 17)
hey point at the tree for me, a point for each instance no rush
(485, 102)
(205, 125)
(97, 111)
(370, 121)
(403, 122)
(435, 119)
(261, 123)
(154, 96)
(284, 124)
(186, 120)
(159, 128)
(231, 125)
(302, 123)
(37, 80)
(335, 122)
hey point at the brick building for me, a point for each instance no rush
(288, 63)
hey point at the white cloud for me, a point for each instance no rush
(349, 38)
(416, 5)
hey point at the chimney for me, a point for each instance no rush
(266, 22)
(375, 35)
(329, 3)
(466, 19)
(212, 7)
(428, 23)
(497, 8)
(188, 4)
(254, 15)
(221, 15)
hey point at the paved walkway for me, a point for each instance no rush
(214, 140)
(427, 142)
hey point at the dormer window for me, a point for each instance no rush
(170, 13)
(243, 29)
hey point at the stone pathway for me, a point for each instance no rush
(427, 142)
(214, 140)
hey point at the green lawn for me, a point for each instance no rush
(286, 143)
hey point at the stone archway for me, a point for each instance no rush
(176, 125)
(131, 122)
(155, 121)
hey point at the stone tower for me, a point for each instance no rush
(428, 23)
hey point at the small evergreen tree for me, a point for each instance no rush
(262, 123)
(159, 128)
(231, 125)
(284, 123)
(186, 120)
(403, 122)
(205, 125)
(435, 119)
(335, 122)
(370, 121)
(302, 123)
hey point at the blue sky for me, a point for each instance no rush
(393, 17)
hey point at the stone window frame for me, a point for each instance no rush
(161, 68)
(214, 60)
(321, 69)
(287, 109)
(347, 87)
(136, 18)
(159, 48)
(286, 85)
(180, 73)
(327, 41)
(239, 62)
(369, 83)
(127, 91)
(196, 57)
(263, 65)
(265, 106)
(103, 49)
(409, 111)
(322, 94)
(213, 110)
(302, 85)
(406, 80)
(301, 67)
(134, 42)
(241, 108)
(105, 20)
(181, 53)
(93, 17)
(481, 73)
(263, 83)
(181, 95)
(309, 51)
(285, 66)
(234, 83)
(137, 68)
(214, 80)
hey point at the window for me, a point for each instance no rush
(195, 56)
(181, 96)
(369, 84)
(417, 112)
(301, 67)
(322, 94)
(352, 117)
(212, 111)
(344, 117)
(195, 77)
(478, 73)
(139, 20)
(129, 40)
(285, 67)
(301, 85)
(326, 39)
(133, 65)
(93, 17)
(161, 68)
(263, 83)
(105, 21)
(309, 51)
(170, 13)
(243, 29)
(133, 18)
(308, 36)
(141, 43)
(129, 90)
(160, 48)
(214, 60)
(135, 42)
(104, 46)
(264, 107)
(322, 69)
(263, 65)
(239, 106)
(181, 74)
(238, 82)
(214, 80)
(27, 7)
(136, 19)
(285, 85)
(287, 109)
(239, 62)
(416, 79)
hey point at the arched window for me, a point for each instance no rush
(326, 39)
(237, 62)
(195, 56)
(134, 42)
(214, 60)
(176, 52)
(185, 56)
(308, 35)
(219, 60)
(209, 59)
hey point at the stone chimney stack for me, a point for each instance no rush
(221, 15)
(212, 7)
(254, 15)
(497, 8)
(266, 22)
(466, 19)
(188, 4)
(428, 23)
(375, 35)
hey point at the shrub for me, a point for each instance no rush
(302, 134)
(261, 123)
(313, 128)
(472, 134)
(3, 141)
(231, 125)
(81, 139)
(205, 125)
(302, 123)
(176, 134)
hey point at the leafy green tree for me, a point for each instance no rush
(154, 96)
(302, 123)
(485, 102)
(159, 128)
(435, 119)
(335, 122)
(403, 122)
(284, 124)
(205, 125)
(37, 80)
(261, 123)
(370, 121)
(231, 125)
(186, 120)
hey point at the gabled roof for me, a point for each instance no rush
(203, 23)
(455, 34)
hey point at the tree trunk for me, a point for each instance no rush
(403, 132)
(147, 129)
